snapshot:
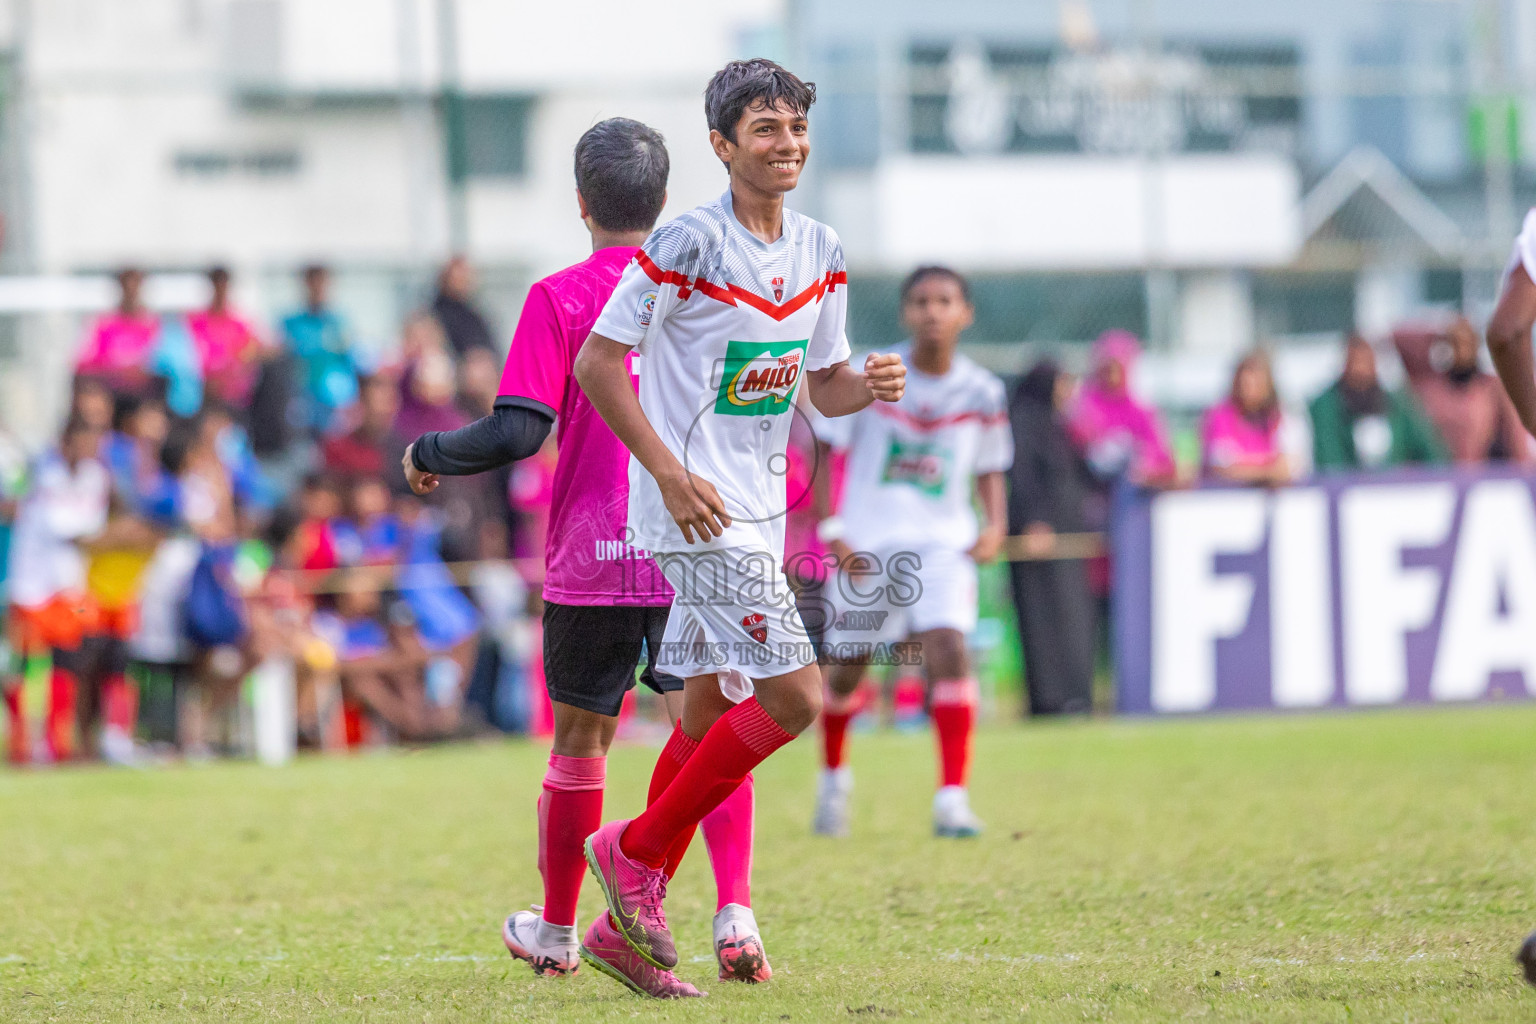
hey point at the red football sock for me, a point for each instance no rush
(61, 714)
(19, 753)
(728, 836)
(120, 702)
(836, 713)
(954, 719)
(740, 741)
(570, 809)
(680, 747)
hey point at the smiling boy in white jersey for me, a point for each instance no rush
(907, 512)
(730, 307)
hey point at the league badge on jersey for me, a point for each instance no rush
(759, 378)
(646, 309)
(778, 289)
(756, 627)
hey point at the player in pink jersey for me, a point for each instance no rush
(604, 598)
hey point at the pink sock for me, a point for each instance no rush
(570, 809)
(728, 837)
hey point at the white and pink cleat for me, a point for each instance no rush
(550, 949)
(739, 946)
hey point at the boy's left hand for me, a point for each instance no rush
(885, 376)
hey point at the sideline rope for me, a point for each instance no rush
(1059, 547)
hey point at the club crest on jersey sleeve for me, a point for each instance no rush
(759, 378)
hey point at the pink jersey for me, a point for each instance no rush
(588, 559)
(119, 343)
(1231, 439)
(227, 349)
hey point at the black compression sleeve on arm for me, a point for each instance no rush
(514, 430)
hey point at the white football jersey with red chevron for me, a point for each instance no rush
(726, 326)
(912, 464)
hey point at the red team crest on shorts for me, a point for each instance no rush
(755, 626)
(778, 289)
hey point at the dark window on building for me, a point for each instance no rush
(1443, 287)
(496, 135)
(1304, 303)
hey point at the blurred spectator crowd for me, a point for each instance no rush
(219, 500)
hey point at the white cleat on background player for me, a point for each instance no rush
(952, 814)
(739, 946)
(832, 793)
(550, 949)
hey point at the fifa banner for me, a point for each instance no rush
(1348, 591)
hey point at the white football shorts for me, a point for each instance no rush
(905, 592)
(734, 614)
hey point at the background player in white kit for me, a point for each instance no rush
(729, 307)
(909, 541)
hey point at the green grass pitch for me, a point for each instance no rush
(1372, 866)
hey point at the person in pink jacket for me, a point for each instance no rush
(1118, 434)
(1240, 437)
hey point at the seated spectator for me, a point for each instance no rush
(213, 615)
(13, 473)
(282, 626)
(1120, 435)
(372, 448)
(92, 403)
(133, 452)
(227, 348)
(255, 494)
(1467, 406)
(447, 622)
(1358, 424)
(372, 534)
(381, 665)
(320, 506)
(462, 503)
(461, 321)
(120, 345)
(479, 380)
(50, 610)
(321, 342)
(1240, 438)
(117, 559)
(427, 394)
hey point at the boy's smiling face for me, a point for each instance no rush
(769, 150)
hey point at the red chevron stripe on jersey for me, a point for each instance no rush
(732, 294)
(895, 412)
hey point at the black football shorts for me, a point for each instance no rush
(591, 651)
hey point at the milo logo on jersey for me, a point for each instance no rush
(924, 466)
(759, 377)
